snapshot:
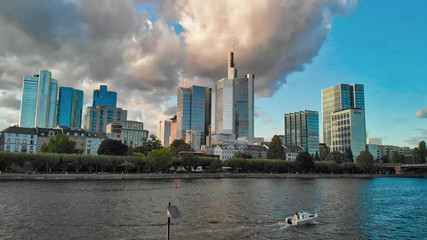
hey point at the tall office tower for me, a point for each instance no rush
(173, 130)
(102, 97)
(233, 104)
(70, 105)
(98, 117)
(340, 97)
(39, 101)
(348, 131)
(302, 129)
(164, 132)
(193, 103)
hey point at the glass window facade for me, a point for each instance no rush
(70, 106)
(193, 107)
(102, 97)
(39, 101)
(302, 129)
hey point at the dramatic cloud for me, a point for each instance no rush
(422, 113)
(86, 43)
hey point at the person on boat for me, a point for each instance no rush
(296, 216)
(301, 214)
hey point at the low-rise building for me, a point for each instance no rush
(292, 152)
(226, 152)
(130, 133)
(17, 139)
(93, 140)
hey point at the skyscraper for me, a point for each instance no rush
(70, 105)
(233, 104)
(102, 97)
(340, 97)
(192, 107)
(164, 132)
(39, 101)
(302, 129)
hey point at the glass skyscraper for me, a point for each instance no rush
(340, 97)
(39, 101)
(193, 111)
(70, 106)
(233, 104)
(102, 97)
(302, 129)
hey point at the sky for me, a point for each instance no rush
(145, 49)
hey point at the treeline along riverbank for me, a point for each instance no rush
(163, 161)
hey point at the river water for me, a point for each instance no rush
(381, 208)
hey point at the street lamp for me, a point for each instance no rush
(172, 213)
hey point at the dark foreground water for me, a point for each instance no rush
(382, 208)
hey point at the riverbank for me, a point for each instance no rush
(149, 176)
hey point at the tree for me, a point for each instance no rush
(395, 158)
(189, 161)
(337, 157)
(324, 154)
(179, 145)
(349, 155)
(304, 162)
(148, 145)
(422, 152)
(160, 160)
(276, 151)
(59, 144)
(316, 156)
(365, 161)
(112, 147)
(242, 155)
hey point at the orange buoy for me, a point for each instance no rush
(176, 185)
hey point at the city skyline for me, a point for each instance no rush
(341, 50)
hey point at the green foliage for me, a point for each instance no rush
(349, 155)
(242, 155)
(276, 151)
(420, 153)
(112, 147)
(160, 160)
(304, 162)
(339, 158)
(365, 161)
(179, 145)
(148, 145)
(324, 154)
(59, 144)
(397, 157)
(316, 156)
(189, 161)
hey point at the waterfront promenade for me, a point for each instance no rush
(147, 176)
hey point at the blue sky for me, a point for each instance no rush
(382, 46)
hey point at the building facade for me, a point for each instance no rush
(130, 133)
(348, 131)
(292, 152)
(164, 132)
(225, 152)
(17, 139)
(70, 106)
(340, 97)
(173, 130)
(193, 110)
(302, 129)
(233, 104)
(102, 97)
(98, 117)
(39, 101)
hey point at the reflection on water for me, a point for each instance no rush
(213, 208)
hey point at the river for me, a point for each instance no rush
(348, 208)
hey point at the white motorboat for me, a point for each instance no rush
(301, 218)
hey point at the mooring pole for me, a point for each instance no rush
(169, 223)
